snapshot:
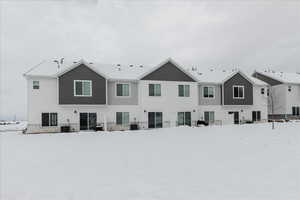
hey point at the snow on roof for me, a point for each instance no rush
(218, 76)
(133, 72)
(285, 77)
(111, 71)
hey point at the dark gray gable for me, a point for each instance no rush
(168, 72)
(81, 72)
(266, 79)
(238, 79)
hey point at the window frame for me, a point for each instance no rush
(184, 86)
(50, 119)
(34, 85)
(122, 114)
(257, 119)
(122, 83)
(82, 81)
(209, 116)
(154, 94)
(238, 86)
(214, 92)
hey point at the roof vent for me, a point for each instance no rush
(211, 70)
(199, 73)
(74, 62)
(91, 63)
(118, 65)
(130, 65)
(224, 70)
(119, 68)
(141, 66)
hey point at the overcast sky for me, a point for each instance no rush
(240, 34)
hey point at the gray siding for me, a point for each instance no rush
(168, 72)
(210, 101)
(266, 79)
(115, 100)
(238, 79)
(66, 86)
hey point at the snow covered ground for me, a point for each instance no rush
(247, 162)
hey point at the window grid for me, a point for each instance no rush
(183, 90)
(122, 118)
(208, 92)
(83, 88)
(122, 89)
(154, 90)
(238, 92)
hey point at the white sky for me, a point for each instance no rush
(244, 34)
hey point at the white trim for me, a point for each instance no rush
(184, 90)
(154, 89)
(74, 88)
(163, 63)
(214, 89)
(239, 86)
(129, 89)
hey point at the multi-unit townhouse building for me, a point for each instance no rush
(284, 93)
(82, 95)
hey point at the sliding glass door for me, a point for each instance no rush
(155, 120)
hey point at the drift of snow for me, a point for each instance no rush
(246, 162)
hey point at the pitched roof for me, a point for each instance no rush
(218, 76)
(110, 71)
(135, 72)
(285, 77)
(169, 60)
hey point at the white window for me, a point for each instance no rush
(122, 118)
(209, 116)
(154, 90)
(183, 90)
(122, 90)
(208, 92)
(83, 88)
(35, 85)
(238, 92)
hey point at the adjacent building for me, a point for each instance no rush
(284, 93)
(84, 95)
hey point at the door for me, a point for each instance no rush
(256, 116)
(155, 120)
(88, 121)
(236, 117)
(184, 118)
(209, 116)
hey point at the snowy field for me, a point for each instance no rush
(247, 162)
